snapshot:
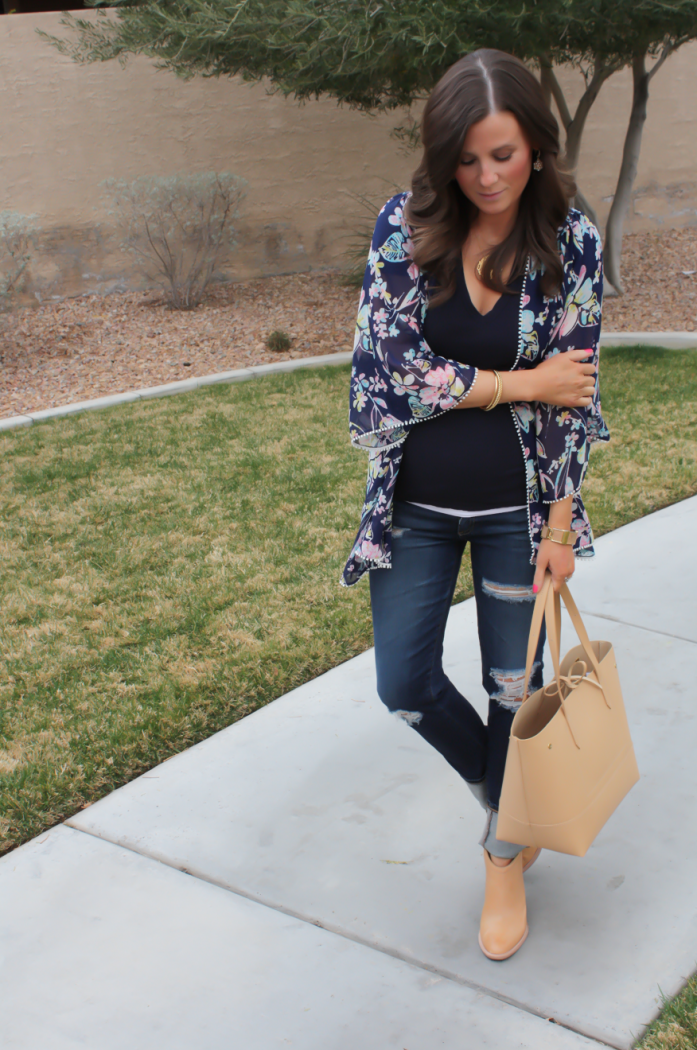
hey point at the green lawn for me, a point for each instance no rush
(676, 1028)
(171, 565)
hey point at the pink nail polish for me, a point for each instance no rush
(535, 588)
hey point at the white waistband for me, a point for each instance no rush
(466, 513)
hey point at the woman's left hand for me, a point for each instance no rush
(559, 559)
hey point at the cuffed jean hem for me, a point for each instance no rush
(504, 850)
(478, 789)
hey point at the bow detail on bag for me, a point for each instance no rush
(571, 682)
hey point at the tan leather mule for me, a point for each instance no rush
(504, 924)
(530, 855)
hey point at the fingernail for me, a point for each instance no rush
(535, 588)
(589, 351)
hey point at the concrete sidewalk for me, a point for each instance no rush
(310, 876)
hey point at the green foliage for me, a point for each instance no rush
(368, 53)
(17, 243)
(278, 341)
(176, 227)
(615, 31)
(371, 53)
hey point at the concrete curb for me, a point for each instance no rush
(237, 375)
(669, 340)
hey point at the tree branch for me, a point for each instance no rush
(666, 51)
(558, 96)
(574, 131)
(545, 83)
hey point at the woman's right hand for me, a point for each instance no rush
(565, 379)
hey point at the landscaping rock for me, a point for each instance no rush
(89, 347)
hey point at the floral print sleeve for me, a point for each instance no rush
(396, 380)
(564, 435)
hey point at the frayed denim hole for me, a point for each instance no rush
(508, 592)
(510, 686)
(412, 718)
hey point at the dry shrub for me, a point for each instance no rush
(17, 242)
(177, 227)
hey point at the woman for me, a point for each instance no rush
(480, 315)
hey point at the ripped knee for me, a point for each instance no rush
(508, 592)
(510, 685)
(412, 718)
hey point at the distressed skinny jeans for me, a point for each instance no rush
(410, 606)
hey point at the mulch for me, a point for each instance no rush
(91, 346)
(659, 270)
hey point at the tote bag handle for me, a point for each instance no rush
(538, 613)
(548, 604)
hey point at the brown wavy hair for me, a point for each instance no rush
(439, 213)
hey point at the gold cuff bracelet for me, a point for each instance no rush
(567, 537)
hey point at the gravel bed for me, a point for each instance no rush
(659, 271)
(90, 346)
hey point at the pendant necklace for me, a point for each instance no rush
(479, 268)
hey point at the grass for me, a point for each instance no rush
(676, 1028)
(171, 565)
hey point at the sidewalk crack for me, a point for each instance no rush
(349, 936)
(639, 626)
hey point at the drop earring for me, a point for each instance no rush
(538, 165)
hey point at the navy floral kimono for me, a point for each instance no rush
(397, 382)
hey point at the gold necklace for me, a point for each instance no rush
(479, 267)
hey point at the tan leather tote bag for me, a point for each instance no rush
(570, 757)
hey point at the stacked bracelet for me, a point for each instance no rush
(567, 537)
(497, 393)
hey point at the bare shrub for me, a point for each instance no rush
(177, 227)
(17, 242)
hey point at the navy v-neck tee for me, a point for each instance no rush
(468, 459)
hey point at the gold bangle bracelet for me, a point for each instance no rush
(500, 393)
(497, 392)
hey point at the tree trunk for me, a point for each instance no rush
(627, 175)
(583, 205)
(574, 130)
(546, 80)
(574, 126)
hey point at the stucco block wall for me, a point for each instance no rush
(666, 184)
(66, 128)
